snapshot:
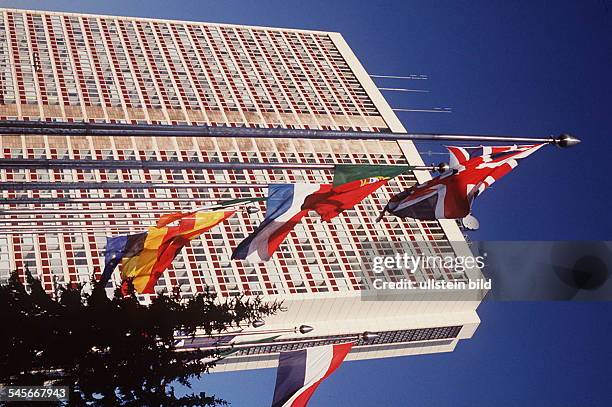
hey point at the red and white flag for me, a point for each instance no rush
(300, 372)
(287, 204)
(450, 196)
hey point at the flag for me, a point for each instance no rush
(283, 212)
(351, 185)
(116, 248)
(145, 256)
(172, 217)
(450, 195)
(346, 173)
(168, 218)
(300, 372)
(287, 204)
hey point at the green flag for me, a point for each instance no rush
(345, 173)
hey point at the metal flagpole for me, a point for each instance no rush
(12, 228)
(75, 223)
(74, 215)
(25, 186)
(80, 211)
(58, 222)
(76, 201)
(40, 230)
(404, 90)
(178, 165)
(412, 77)
(68, 208)
(434, 110)
(303, 329)
(366, 337)
(76, 219)
(12, 127)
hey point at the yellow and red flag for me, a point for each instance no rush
(172, 217)
(145, 256)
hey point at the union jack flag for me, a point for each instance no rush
(450, 195)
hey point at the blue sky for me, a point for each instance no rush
(518, 68)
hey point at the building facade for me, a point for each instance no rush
(106, 69)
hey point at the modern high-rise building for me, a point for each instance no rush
(105, 69)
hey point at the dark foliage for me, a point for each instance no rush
(112, 351)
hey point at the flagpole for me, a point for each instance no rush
(410, 76)
(432, 110)
(76, 201)
(8, 225)
(70, 216)
(303, 329)
(43, 229)
(5, 221)
(58, 186)
(81, 211)
(12, 127)
(404, 90)
(13, 163)
(366, 337)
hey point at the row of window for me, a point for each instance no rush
(116, 62)
(317, 257)
(384, 337)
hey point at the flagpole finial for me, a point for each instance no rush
(442, 167)
(304, 329)
(258, 323)
(369, 336)
(252, 209)
(566, 140)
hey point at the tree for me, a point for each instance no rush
(113, 351)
